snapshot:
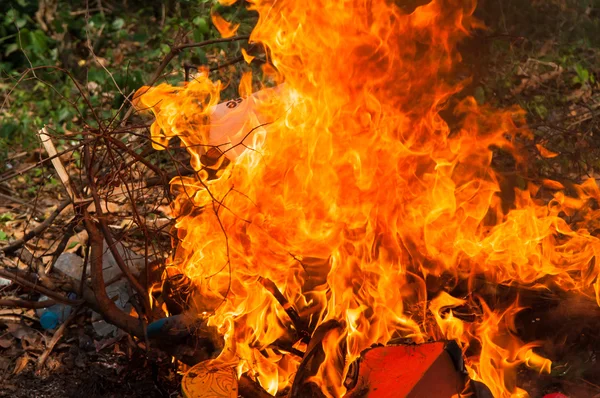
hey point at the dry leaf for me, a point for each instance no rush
(76, 241)
(107, 207)
(6, 342)
(21, 364)
(20, 331)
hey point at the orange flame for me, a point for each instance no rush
(226, 29)
(350, 193)
(546, 153)
(247, 57)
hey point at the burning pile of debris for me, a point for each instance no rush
(351, 224)
(355, 201)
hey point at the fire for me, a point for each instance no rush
(349, 192)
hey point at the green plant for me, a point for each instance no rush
(583, 75)
(109, 54)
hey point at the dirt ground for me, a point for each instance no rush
(81, 365)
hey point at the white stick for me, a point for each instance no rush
(58, 166)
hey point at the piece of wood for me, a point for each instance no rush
(58, 166)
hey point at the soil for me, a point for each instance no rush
(80, 367)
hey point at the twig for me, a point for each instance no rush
(187, 68)
(172, 54)
(20, 201)
(57, 336)
(86, 258)
(17, 318)
(136, 156)
(280, 345)
(62, 245)
(15, 277)
(80, 12)
(291, 311)
(41, 162)
(106, 306)
(35, 264)
(250, 388)
(26, 303)
(154, 181)
(14, 246)
(109, 238)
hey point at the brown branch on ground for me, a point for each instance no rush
(18, 277)
(10, 302)
(21, 202)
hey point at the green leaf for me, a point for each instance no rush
(20, 22)
(63, 114)
(201, 55)
(3, 235)
(10, 17)
(8, 129)
(118, 23)
(97, 75)
(6, 217)
(11, 48)
(198, 35)
(39, 41)
(202, 25)
(164, 48)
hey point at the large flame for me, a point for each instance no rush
(357, 196)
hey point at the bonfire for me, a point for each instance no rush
(354, 197)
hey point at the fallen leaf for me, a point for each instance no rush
(5, 363)
(20, 331)
(21, 364)
(6, 342)
(76, 241)
(107, 207)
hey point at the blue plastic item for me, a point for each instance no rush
(53, 316)
(173, 326)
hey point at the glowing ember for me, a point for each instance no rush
(358, 197)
